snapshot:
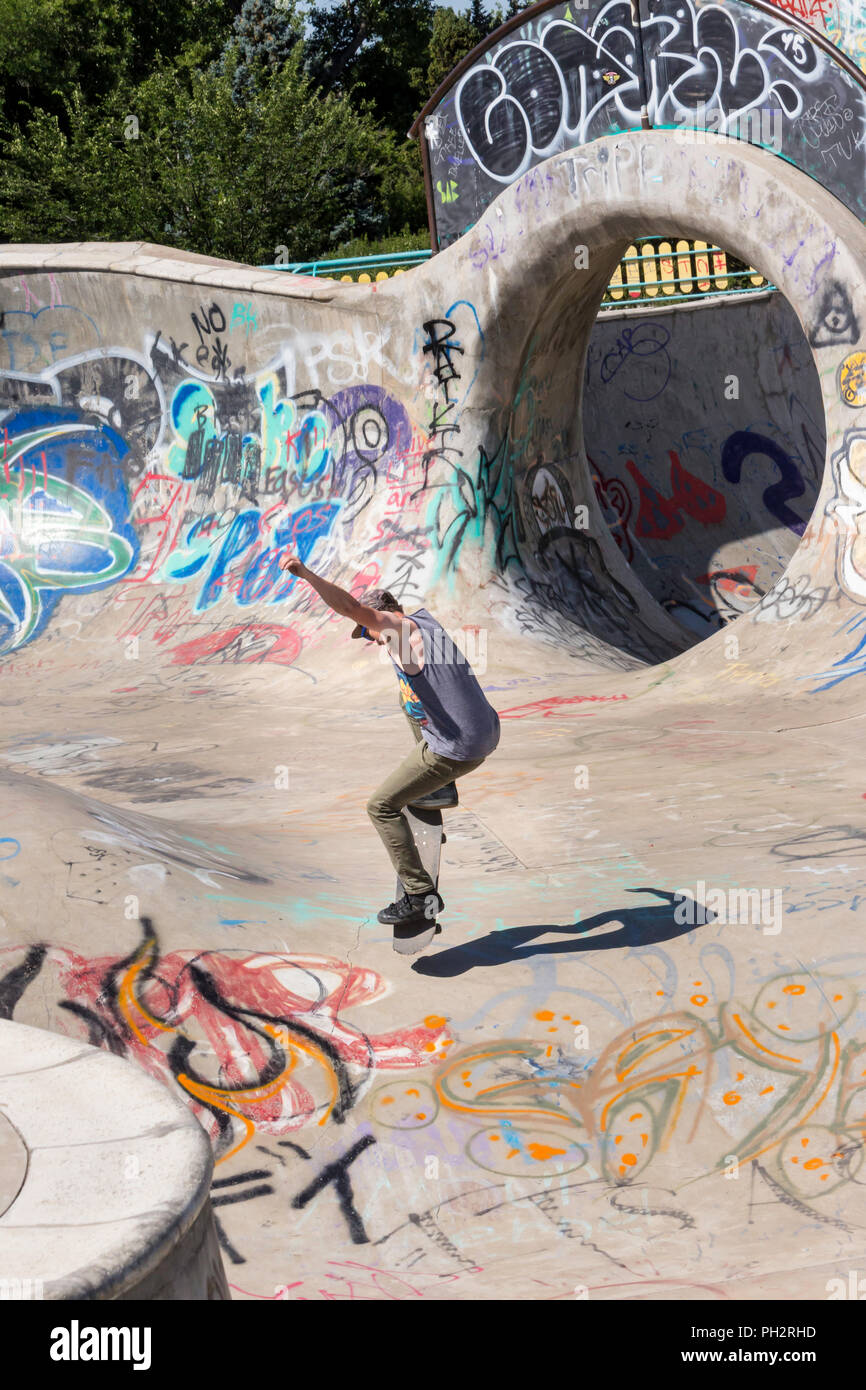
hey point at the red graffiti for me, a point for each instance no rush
(660, 517)
(246, 644)
(549, 708)
(615, 502)
(739, 581)
(815, 12)
(254, 1041)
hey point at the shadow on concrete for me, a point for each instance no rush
(647, 925)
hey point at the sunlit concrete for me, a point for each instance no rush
(574, 1087)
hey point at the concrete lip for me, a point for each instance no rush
(13, 1163)
(104, 1177)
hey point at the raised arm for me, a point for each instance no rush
(394, 628)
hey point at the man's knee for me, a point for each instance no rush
(380, 807)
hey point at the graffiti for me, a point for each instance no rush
(734, 591)
(745, 443)
(211, 353)
(550, 708)
(260, 642)
(852, 664)
(842, 20)
(442, 346)
(467, 502)
(852, 380)
(816, 12)
(58, 537)
(837, 322)
(771, 1077)
(300, 462)
(521, 107)
(616, 504)
(661, 517)
(256, 540)
(847, 510)
(793, 600)
(647, 341)
(255, 1043)
(560, 80)
(338, 1174)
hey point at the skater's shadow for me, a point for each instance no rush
(633, 926)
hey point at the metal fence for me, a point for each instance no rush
(655, 270)
(660, 270)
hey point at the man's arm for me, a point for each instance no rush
(336, 598)
(393, 626)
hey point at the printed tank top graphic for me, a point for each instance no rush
(409, 700)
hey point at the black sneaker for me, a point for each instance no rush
(414, 907)
(440, 800)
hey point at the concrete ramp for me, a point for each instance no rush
(633, 1062)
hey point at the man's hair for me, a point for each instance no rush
(383, 601)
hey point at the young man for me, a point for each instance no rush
(454, 726)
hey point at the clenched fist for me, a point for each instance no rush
(292, 565)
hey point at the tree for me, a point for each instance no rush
(378, 49)
(290, 166)
(50, 48)
(263, 36)
(453, 37)
(483, 21)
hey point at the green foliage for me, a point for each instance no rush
(454, 36)
(228, 127)
(263, 37)
(51, 48)
(290, 167)
(405, 240)
(375, 48)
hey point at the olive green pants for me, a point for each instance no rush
(422, 771)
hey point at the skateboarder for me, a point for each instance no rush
(455, 727)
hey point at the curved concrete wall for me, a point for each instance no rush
(704, 428)
(188, 736)
(111, 1201)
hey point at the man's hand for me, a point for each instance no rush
(292, 565)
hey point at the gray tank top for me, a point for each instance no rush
(445, 698)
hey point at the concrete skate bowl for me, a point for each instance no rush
(578, 1067)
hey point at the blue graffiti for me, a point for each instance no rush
(64, 516)
(854, 664)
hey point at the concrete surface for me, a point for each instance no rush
(667, 433)
(104, 1179)
(574, 1088)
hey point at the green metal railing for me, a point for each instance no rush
(359, 269)
(667, 270)
(655, 270)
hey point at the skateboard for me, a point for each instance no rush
(428, 831)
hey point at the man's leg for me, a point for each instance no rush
(420, 772)
(442, 797)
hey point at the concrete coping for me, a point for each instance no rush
(117, 1169)
(162, 263)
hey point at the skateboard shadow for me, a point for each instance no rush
(647, 925)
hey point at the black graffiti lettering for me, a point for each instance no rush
(837, 323)
(99, 1034)
(337, 1173)
(746, 442)
(226, 1199)
(15, 981)
(441, 345)
(787, 1199)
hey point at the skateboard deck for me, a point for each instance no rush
(426, 826)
